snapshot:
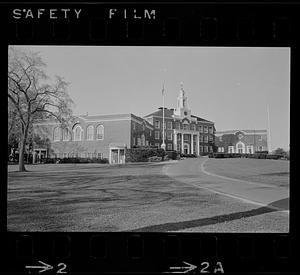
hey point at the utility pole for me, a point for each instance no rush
(269, 131)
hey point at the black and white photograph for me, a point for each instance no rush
(148, 139)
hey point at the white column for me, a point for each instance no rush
(182, 151)
(109, 156)
(118, 156)
(175, 141)
(33, 157)
(197, 145)
(192, 144)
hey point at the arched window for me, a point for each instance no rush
(100, 132)
(90, 132)
(77, 133)
(66, 134)
(56, 134)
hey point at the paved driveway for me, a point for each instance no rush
(203, 173)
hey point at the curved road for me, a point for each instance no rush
(193, 172)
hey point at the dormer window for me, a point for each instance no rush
(185, 113)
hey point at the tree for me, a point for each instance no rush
(280, 151)
(32, 97)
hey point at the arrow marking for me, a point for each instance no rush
(183, 269)
(44, 266)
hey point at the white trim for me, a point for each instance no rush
(243, 147)
(87, 132)
(74, 132)
(98, 126)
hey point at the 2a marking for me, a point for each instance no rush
(218, 268)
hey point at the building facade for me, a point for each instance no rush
(241, 141)
(108, 136)
(105, 136)
(184, 132)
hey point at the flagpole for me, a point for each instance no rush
(163, 146)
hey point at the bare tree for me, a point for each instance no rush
(32, 97)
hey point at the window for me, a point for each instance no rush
(211, 130)
(220, 138)
(90, 132)
(210, 148)
(210, 138)
(133, 141)
(156, 134)
(100, 155)
(169, 135)
(205, 139)
(230, 149)
(100, 132)
(133, 125)
(193, 127)
(169, 125)
(157, 124)
(169, 146)
(178, 125)
(201, 138)
(201, 148)
(185, 127)
(200, 128)
(77, 133)
(205, 129)
(65, 155)
(221, 149)
(143, 140)
(138, 141)
(156, 145)
(205, 149)
(56, 134)
(250, 149)
(66, 134)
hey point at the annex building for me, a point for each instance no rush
(241, 141)
(108, 136)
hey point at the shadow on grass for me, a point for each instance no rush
(176, 226)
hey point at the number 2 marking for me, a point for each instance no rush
(61, 270)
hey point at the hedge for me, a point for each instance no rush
(237, 155)
(75, 160)
(143, 154)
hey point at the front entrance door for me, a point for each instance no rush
(186, 149)
(117, 155)
(114, 156)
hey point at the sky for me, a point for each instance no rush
(230, 86)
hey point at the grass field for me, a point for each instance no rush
(274, 172)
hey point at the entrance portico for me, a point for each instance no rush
(117, 153)
(185, 139)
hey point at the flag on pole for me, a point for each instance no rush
(163, 90)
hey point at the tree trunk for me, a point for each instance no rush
(22, 150)
(21, 154)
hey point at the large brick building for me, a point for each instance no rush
(108, 136)
(184, 132)
(105, 136)
(241, 141)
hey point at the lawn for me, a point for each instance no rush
(254, 170)
(105, 198)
